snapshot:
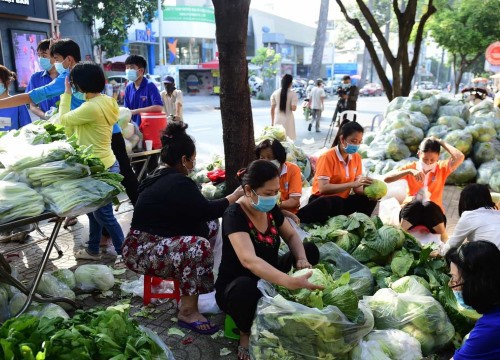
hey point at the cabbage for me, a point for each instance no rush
(16, 303)
(409, 284)
(272, 132)
(438, 131)
(429, 106)
(4, 304)
(461, 139)
(411, 135)
(395, 104)
(454, 109)
(124, 116)
(495, 182)
(483, 152)
(306, 296)
(363, 151)
(401, 263)
(367, 139)
(65, 276)
(345, 299)
(393, 234)
(94, 277)
(51, 286)
(452, 122)
(426, 340)
(128, 130)
(464, 174)
(387, 344)
(482, 133)
(419, 120)
(52, 311)
(396, 149)
(376, 190)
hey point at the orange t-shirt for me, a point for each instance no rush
(331, 166)
(435, 182)
(290, 182)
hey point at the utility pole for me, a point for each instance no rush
(160, 33)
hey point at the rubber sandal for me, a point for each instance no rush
(70, 221)
(194, 326)
(244, 352)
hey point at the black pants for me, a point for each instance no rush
(429, 214)
(129, 178)
(239, 298)
(321, 208)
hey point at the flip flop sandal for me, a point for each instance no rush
(70, 221)
(194, 326)
(243, 353)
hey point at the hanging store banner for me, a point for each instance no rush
(189, 14)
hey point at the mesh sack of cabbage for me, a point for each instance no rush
(17, 200)
(422, 317)
(284, 329)
(80, 196)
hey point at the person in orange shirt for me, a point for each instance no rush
(426, 179)
(290, 176)
(338, 172)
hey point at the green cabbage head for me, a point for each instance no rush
(377, 190)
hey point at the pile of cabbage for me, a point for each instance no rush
(130, 131)
(474, 130)
(209, 189)
(58, 283)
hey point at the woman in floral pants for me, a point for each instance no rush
(174, 227)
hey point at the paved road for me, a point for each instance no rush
(205, 123)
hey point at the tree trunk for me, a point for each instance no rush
(319, 43)
(231, 21)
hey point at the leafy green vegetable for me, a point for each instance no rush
(376, 190)
(401, 262)
(94, 276)
(65, 276)
(410, 284)
(17, 200)
(387, 344)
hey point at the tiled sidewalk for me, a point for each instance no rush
(161, 317)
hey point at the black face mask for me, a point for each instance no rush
(170, 87)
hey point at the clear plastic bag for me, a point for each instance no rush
(94, 277)
(422, 317)
(49, 173)
(154, 336)
(77, 196)
(287, 330)
(361, 280)
(387, 344)
(17, 200)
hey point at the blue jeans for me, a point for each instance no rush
(104, 217)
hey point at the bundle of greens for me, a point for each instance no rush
(80, 196)
(49, 173)
(17, 200)
(328, 330)
(90, 334)
(22, 156)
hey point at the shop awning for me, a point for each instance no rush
(118, 59)
(214, 64)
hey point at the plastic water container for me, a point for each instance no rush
(152, 124)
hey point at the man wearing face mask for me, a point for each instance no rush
(172, 99)
(41, 78)
(426, 179)
(141, 96)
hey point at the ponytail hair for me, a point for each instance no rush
(257, 173)
(346, 129)
(286, 80)
(176, 143)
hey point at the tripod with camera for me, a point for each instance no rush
(339, 108)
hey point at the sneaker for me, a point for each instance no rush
(108, 251)
(309, 127)
(85, 255)
(119, 263)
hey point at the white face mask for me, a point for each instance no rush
(276, 163)
(428, 167)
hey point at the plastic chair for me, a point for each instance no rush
(351, 115)
(377, 118)
(150, 281)
(230, 329)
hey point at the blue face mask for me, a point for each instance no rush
(45, 63)
(2, 89)
(131, 74)
(351, 148)
(60, 67)
(460, 299)
(264, 203)
(77, 94)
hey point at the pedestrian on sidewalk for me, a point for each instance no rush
(174, 227)
(172, 99)
(316, 100)
(93, 123)
(283, 103)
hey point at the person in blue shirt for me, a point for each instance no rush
(11, 118)
(42, 78)
(141, 96)
(474, 269)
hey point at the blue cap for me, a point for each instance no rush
(169, 80)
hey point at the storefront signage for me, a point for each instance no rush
(189, 14)
(145, 36)
(493, 53)
(25, 8)
(22, 2)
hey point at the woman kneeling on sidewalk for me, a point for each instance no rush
(174, 227)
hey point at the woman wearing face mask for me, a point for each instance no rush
(174, 227)
(338, 182)
(251, 231)
(426, 179)
(290, 176)
(474, 269)
(15, 117)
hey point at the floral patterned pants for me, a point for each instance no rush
(188, 259)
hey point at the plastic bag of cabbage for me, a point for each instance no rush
(284, 329)
(94, 277)
(422, 317)
(387, 345)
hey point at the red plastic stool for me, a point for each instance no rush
(150, 281)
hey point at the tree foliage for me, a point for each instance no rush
(465, 29)
(117, 16)
(407, 15)
(268, 61)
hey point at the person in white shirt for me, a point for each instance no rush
(479, 218)
(316, 100)
(172, 99)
